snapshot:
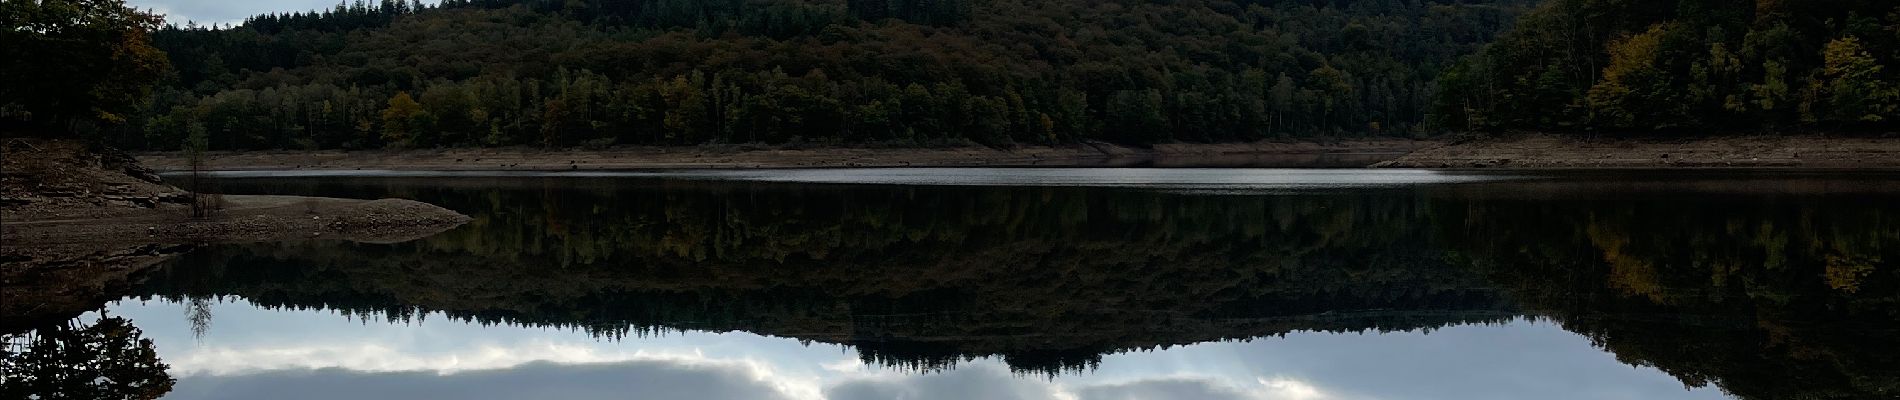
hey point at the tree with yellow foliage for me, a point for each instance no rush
(1855, 87)
(403, 120)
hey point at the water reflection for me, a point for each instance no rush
(1048, 279)
(103, 357)
(260, 353)
(1415, 291)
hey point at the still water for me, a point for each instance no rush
(1051, 284)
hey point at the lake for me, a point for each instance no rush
(1040, 284)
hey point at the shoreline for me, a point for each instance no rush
(1512, 152)
(1342, 153)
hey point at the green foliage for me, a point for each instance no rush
(1633, 89)
(1702, 66)
(71, 64)
(1855, 85)
(681, 72)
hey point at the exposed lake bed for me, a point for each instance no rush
(81, 224)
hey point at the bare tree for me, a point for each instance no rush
(202, 204)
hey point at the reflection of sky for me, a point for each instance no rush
(254, 353)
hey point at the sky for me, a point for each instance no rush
(254, 353)
(207, 12)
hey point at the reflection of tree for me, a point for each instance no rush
(1765, 299)
(105, 360)
(198, 314)
(1046, 278)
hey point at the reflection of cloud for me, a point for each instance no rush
(552, 369)
(1290, 389)
(650, 379)
(844, 365)
(378, 357)
(1511, 361)
(975, 382)
(1195, 388)
(701, 379)
(987, 382)
(1163, 389)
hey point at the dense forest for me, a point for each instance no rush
(994, 72)
(403, 74)
(1685, 66)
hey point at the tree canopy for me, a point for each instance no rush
(678, 72)
(1702, 66)
(992, 72)
(74, 62)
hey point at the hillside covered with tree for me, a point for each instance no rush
(395, 74)
(1697, 66)
(676, 72)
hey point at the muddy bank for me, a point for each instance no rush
(78, 224)
(65, 193)
(244, 219)
(1544, 151)
(51, 283)
(53, 268)
(1346, 153)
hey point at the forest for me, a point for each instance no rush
(677, 72)
(592, 73)
(1743, 66)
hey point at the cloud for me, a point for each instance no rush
(646, 379)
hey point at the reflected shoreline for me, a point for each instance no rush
(1711, 286)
